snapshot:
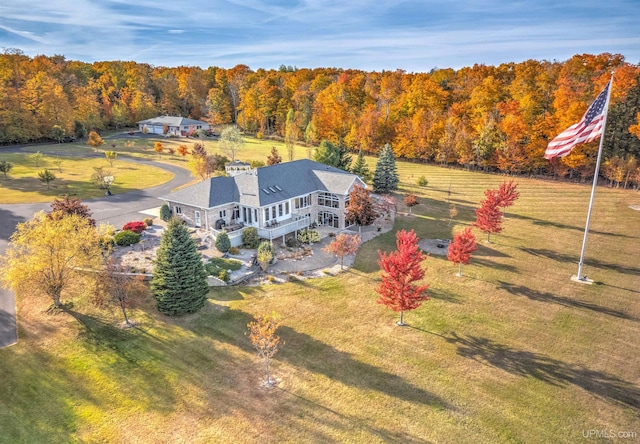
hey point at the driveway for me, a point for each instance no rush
(116, 210)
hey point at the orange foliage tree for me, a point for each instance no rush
(343, 245)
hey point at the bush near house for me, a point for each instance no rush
(308, 236)
(136, 226)
(250, 238)
(165, 213)
(126, 238)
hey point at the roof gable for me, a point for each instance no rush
(267, 185)
(171, 121)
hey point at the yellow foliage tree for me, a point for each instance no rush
(94, 139)
(262, 333)
(47, 255)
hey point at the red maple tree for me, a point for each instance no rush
(507, 194)
(71, 205)
(488, 216)
(464, 243)
(343, 245)
(401, 269)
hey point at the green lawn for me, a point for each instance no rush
(511, 352)
(73, 176)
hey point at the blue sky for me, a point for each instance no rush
(371, 35)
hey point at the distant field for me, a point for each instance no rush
(512, 352)
(73, 177)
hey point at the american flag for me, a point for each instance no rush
(587, 129)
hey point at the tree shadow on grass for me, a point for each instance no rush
(484, 251)
(494, 265)
(302, 350)
(384, 435)
(133, 352)
(534, 295)
(570, 258)
(443, 295)
(546, 369)
(547, 223)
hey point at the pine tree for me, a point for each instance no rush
(361, 168)
(179, 281)
(385, 177)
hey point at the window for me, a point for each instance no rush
(328, 200)
(223, 214)
(329, 219)
(266, 214)
(302, 202)
(273, 212)
(178, 210)
(286, 207)
(280, 210)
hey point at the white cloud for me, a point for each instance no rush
(366, 34)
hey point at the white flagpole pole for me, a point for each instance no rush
(581, 277)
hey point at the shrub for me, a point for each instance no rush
(216, 265)
(222, 242)
(224, 276)
(308, 236)
(165, 213)
(250, 238)
(137, 227)
(106, 242)
(265, 255)
(259, 135)
(422, 181)
(126, 238)
(291, 241)
(234, 250)
(148, 221)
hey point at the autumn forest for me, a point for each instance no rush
(490, 118)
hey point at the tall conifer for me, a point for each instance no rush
(179, 281)
(385, 177)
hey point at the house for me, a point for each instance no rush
(179, 126)
(277, 200)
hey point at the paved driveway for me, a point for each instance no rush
(116, 210)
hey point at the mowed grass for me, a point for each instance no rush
(511, 352)
(143, 147)
(73, 177)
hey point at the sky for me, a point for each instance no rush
(371, 35)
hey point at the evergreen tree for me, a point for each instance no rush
(326, 153)
(618, 140)
(385, 177)
(343, 156)
(223, 243)
(165, 213)
(361, 168)
(179, 281)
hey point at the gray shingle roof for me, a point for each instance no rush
(171, 121)
(266, 185)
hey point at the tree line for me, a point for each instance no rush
(492, 118)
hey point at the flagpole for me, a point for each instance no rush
(580, 277)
